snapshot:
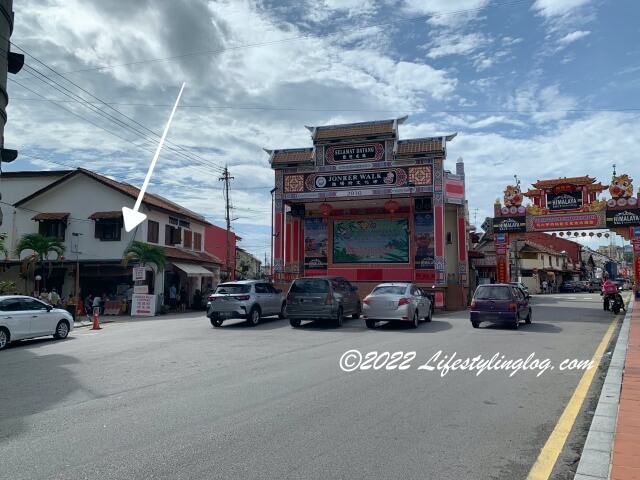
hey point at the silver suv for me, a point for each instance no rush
(248, 299)
(316, 298)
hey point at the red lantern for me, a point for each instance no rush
(584, 234)
(553, 234)
(591, 234)
(325, 209)
(568, 234)
(575, 234)
(561, 234)
(391, 206)
(606, 235)
(62, 258)
(599, 234)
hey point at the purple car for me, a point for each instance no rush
(500, 303)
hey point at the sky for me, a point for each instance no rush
(538, 89)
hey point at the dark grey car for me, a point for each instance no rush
(318, 298)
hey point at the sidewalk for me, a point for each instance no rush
(84, 321)
(612, 448)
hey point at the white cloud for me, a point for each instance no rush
(558, 8)
(457, 44)
(448, 13)
(573, 36)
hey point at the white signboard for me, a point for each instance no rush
(144, 289)
(143, 305)
(139, 273)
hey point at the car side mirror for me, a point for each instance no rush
(49, 308)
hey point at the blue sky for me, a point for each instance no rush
(539, 89)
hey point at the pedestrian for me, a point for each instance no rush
(183, 299)
(44, 296)
(545, 286)
(172, 298)
(88, 305)
(54, 298)
(96, 303)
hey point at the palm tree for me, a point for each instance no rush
(3, 248)
(42, 247)
(145, 254)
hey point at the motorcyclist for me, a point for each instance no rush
(609, 290)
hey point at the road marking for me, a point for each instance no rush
(549, 454)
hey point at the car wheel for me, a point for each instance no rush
(4, 338)
(529, 317)
(216, 322)
(428, 317)
(516, 325)
(370, 323)
(62, 330)
(340, 318)
(294, 323)
(416, 320)
(475, 324)
(254, 317)
(283, 311)
(356, 315)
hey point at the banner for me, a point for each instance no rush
(509, 224)
(424, 241)
(383, 240)
(139, 273)
(564, 201)
(143, 305)
(315, 244)
(502, 270)
(569, 221)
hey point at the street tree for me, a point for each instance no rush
(42, 247)
(144, 254)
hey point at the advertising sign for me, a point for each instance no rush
(564, 201)
(139, 273)
(502, 270)
(383, 240)
(424, 241)
(144, 289)
(501, 239)
(636, 232)
(315, 244)
(510, 224)
(355, 153)
(143, 305)
(381, 178)
(563, 222)
(623, 218)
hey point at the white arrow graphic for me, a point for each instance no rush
(133, 218)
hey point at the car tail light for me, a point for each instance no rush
(242, 298)
(329, 299)
(404, 301)
(473, 305)
(366, 300)
(512, 307)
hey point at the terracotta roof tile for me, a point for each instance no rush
(289, 156)
(181, 254)
(422, 145)
(106, 215)
(586, 180)
(367, 129)
(51, 216)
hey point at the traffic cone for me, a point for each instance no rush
(96, 320)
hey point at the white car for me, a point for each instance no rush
(26, 317)
(398, 301)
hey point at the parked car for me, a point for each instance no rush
(404, 302)
(500, 303)
(247, 299)
(596, 285)
(620, 283)
(522, 287)
(583, 285)
(322, 297)
(24, 317)
(569, 286)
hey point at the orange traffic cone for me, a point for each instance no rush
(96, 320)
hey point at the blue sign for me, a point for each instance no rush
(636, 231)
(501, 238)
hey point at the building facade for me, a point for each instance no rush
(363, 204)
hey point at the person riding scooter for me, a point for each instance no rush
(611, 296)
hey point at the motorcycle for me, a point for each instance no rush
(614, 302)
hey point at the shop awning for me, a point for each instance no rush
(51, 216)
(193, 270)
(110, 215)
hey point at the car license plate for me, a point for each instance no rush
(492, 317)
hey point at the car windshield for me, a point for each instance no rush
(493, 293)
(310, 285)
(232, 288)
(389, 289)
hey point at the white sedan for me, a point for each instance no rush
(397, 301)
(26, 317)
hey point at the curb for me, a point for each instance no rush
(595, 461)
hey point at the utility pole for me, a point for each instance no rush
(225, 178)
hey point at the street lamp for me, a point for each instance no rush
(37, 278)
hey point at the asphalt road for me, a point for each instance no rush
(174, 398)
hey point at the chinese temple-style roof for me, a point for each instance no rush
(416, 146)
(382, 128)
(596, 187)
(586, 180)
(291, 156)
(532, 192)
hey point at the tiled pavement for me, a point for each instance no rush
(612, 448)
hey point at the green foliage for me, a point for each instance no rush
(7, 286)
(3, 248)
(43, 247)
(145, 254)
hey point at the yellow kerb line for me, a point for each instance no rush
(549, 454)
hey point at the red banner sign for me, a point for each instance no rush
(561, 222)
(502, 270)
